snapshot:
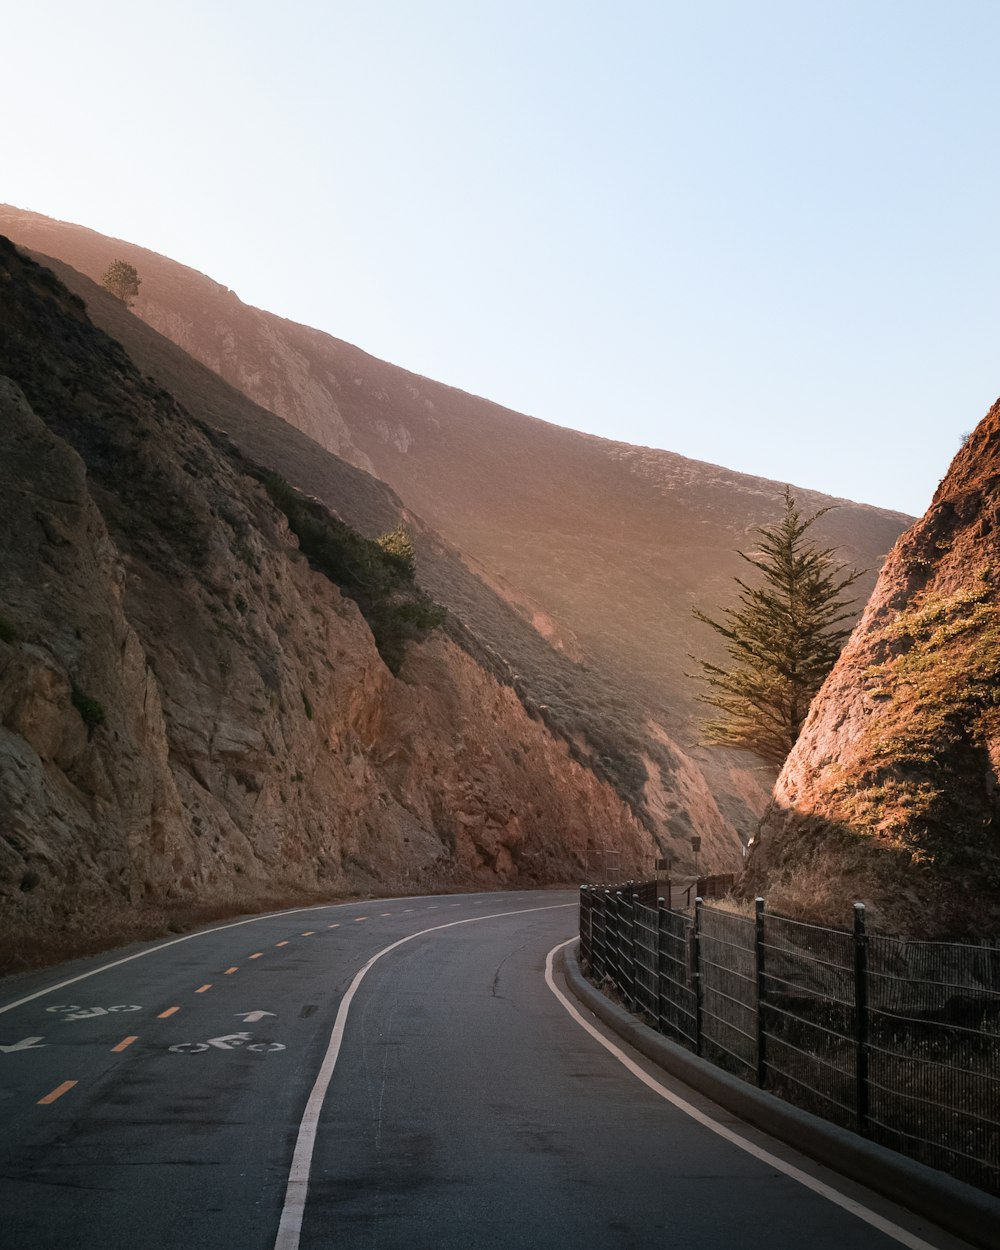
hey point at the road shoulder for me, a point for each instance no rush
(958, 1208)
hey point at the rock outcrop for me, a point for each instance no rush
(190, 715)
(891, 794)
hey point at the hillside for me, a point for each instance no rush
(891, 794)
(191, 716)
(600, 547)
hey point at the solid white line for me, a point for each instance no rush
(271, 915)
(290, 1227)
(826, 1191)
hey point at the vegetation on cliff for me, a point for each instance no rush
(929, 751)
(378, 574)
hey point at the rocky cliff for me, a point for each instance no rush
(190, 714)
(595, 547)
(891, 794)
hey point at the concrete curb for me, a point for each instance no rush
(952, 1205)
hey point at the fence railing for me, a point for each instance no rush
(896, 1039)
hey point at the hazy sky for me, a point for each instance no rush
(759, 233)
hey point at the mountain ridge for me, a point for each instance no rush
(613, 544)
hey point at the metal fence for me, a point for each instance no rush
(896, 1039)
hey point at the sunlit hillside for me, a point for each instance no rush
(598, 547)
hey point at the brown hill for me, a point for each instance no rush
(891, 794)
(599, 546)
(190, 714)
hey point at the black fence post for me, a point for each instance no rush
(628, 950)
(759, 952)
(635, 944)
(696, 945)
(861, 1015)
(658, 963)
(585, 930)
(619, 943)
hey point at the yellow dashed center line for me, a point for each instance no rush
(309, 933)
(334, 926)
(385, 913)
(124, 1044)
(284, 943)
(201, 989)
(358, 919)
(56, 1093)
(169, 1012)
(229, 971)
(257, 956)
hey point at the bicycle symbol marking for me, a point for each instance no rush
(90, 1013)
(230, 1041)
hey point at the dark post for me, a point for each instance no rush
(606, 928)
(620, 943)
(634, 1002)
(630, 934)
(658, 964)
(696, 943)
(759, 950)
(861, 1015)
(585, 922)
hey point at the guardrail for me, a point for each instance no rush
(896, 1039)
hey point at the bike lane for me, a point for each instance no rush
(159, 1100)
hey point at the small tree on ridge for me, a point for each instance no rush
(783, 637)
(122, 280)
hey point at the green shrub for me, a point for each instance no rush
(91, 712)
(379, 575)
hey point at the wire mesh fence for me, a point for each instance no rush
(809, 1021)
(897, 1039)
(934, 1054)
(727, 981)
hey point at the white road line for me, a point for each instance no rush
(810, 1182)
(271, 915)
(290, 1227)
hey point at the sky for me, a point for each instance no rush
(760, 233)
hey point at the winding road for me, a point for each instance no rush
(405, 1074)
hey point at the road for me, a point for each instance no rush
(253, 1085)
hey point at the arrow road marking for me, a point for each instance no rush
(29, 1043)
(252, 1017)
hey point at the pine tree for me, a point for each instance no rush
(122, 280)
(783, 637)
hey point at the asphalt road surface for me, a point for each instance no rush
(254, 1086)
